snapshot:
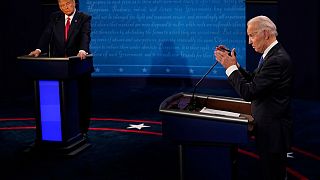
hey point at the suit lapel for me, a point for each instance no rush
(59, 29)
(74, 24)
(270, 53)
(273, 50)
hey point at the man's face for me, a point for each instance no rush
(256, 37)
(67, 6)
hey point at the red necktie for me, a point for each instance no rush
(66, 30)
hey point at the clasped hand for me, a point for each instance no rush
(225, 57)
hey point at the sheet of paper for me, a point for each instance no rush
(219, 112)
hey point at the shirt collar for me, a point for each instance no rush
(71, 17)
(268, 49)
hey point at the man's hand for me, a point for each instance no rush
(82, 54)
(223, 57)
(35, 53)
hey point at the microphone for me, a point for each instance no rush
(51, 35)
(193, 102)
(222, 48)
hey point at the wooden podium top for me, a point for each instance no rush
(44, 58)
(194, 126)
(178, 104)
(55, 67)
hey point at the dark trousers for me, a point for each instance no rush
(84, 87)
(273, 165)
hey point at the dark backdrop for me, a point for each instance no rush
(299, 30)
(298, 25)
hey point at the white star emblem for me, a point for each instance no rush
(97, 69)
(120, 69)
(290, 155)
(167, 70)
(191, 71)
(139, 126)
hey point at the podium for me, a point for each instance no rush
(56, 82)
(207, 141)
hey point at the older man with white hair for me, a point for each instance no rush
(268, 88)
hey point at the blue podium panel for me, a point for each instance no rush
(50, 114)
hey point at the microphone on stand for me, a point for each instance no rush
(193, 103)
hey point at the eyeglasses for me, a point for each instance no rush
(68, 4)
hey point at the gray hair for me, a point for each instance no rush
(72, 0)
(264, 23)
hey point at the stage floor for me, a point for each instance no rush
(120, 150)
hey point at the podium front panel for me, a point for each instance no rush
(195, 130)
(207, 141)
(56, 82)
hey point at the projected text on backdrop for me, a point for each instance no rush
(163, 38)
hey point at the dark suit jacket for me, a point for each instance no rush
(269, 90)
(78, 35)
(78, 39)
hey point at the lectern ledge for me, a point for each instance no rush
(207, 142)
(56, 99)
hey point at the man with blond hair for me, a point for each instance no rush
(68, 34)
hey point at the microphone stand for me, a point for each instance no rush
(193, 102)
(51, 36)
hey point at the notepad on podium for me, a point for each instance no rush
(219, 112)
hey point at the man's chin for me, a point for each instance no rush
(68, 13)
(256, 50)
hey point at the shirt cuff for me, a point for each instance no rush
(83, 51)
(231, 69)
(39, 50)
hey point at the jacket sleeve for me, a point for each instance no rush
(85, 33)
(43, 43)
(251, 87)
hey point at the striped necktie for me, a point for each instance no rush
(260, 62)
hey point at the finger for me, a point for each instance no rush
(82, 56)
(233, 52)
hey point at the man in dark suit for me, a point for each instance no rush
(269, 90)
(68, 34)
(77, 39)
